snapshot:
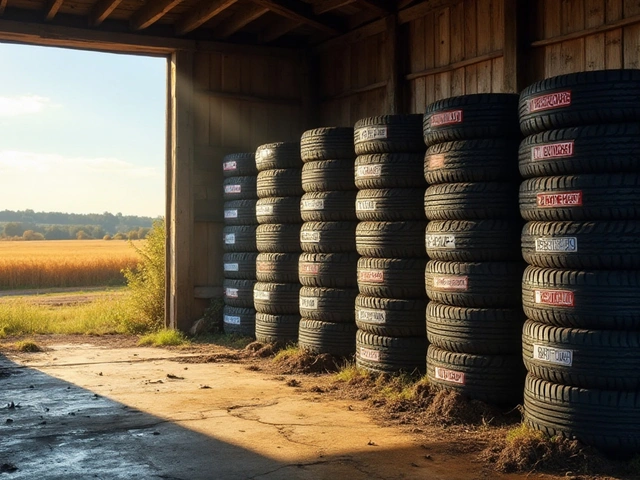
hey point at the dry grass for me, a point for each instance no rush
(64, 263)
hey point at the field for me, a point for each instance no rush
(64, 263)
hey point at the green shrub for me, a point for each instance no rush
(163, 338)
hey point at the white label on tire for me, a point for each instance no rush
(365, 206)
(309, 237)
(558, 356)
(232, 319)
(233, 189)
(265, 267)
(371, 316)
(561, 199)
(437, 241)
(364, 171)
(556, 244)
(231, 213)
(265, 153)
(436, 161)
(226, 166)
(450, 376)
(370, 133)
(549, 101)
(230, 238)
(261, 295)
(231, 292)
(557, 298)
(552, 150)
(368, 354)
(451, 282)
(446, 118)
(231, 267)
(371, 276)
(309, 303)
(264, 210)
(312, 204)
(308, 268)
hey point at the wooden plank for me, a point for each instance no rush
(52, 9)
(417, 63)
(300, 12)
(631, 37)
(457, 47)
(3, 5)
(483, 18)
(380, 7)
(357, 91)
(239, 20)
(470, 46)
(180, 256)
(392, 74)
(454, 66)
(552, 27)
(485, 80)
(328, 5)
(101, 10)
(207, 292)
(594, 45)
(201, 13)
(357, 35)
(201, 104)
(277, 29)
(151, 12)
(511, 71)
(422, 9)
(168, 194)
(613, 38)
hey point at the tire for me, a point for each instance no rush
(239, 321)
(389, 170)
(328, 304)
(475, 285)
(239, 238)
(276, 298)
(328, 207)
(239, 165)
(582, 245)
(390, 354)
(471, 201)
(604, 359)
(327, 143)
(483, 115)
(239, 188)
(318, 337)
(327, 175)
(391, 239)
(598, 299)
(278, 155)
(590, 149)
(495, 379)
(277, 267)
(240, 212)
(480, 331)
(240, 265)
(285, 182)
(473, 240)
(328, 237)
(478, 160)
(238, 293)
(606, 419)
(390, 317)
(390, 204)
(389, 134)
(278, 210)
(278, 238)
(391, 277)
(585, 98)
(329, 270)
(279, 330)
(581, 197)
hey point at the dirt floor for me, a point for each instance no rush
(101, 407)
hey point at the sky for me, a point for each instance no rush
(81, 132)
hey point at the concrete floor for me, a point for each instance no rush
(81, 412)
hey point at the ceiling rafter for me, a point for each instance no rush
(239, 20)
(300, 12)
(381, 7)
(101, 10)
(277, 30)
(329, 5)
(52, 9)
(151, 12)
(201, 13)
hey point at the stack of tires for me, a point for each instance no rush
(474, 319)
(581, 292)
(327, 268)
(390, 238)
(275, 295)
(239, 260)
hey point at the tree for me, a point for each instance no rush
(133, 235)
(82, 235)
(56, 232)
(13, 229)
(107, 237)
(31, 235)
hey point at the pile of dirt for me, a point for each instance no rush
(305, 363)
(451, 408)
(212, 358)
(262, 350)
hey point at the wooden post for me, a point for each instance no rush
(180, 217)
(394, 84)
(517, 18)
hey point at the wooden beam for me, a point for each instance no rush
(300, 12)
(328, 5)
(239, 20)
(381, 7)
(423, 9)
(356, 35)
(277, 29)
(513, 81)
(151, 12)
(101, 10)
(392, 66)
(454, 66)
(201, 13)
(3, 5)
(52, 9)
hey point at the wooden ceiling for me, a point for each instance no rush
(266, 22)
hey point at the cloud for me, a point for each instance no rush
(22, 105)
